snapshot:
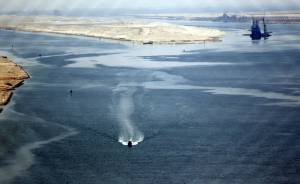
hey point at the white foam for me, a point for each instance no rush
(125, 108)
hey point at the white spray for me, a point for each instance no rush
(125, 109)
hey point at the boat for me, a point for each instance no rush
(148, 43)
(256, 33)
(129, 144)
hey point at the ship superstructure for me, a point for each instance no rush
(256, 33)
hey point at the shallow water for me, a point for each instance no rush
(225, 112)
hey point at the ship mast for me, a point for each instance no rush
(265, 26)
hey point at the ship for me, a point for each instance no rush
(256, 33)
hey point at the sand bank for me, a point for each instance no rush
(142, 32)
(11, 76)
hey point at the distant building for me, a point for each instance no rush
(233, 18)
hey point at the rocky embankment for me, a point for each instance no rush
(11, 76)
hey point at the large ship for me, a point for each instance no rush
(256, 33)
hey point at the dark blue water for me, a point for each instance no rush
(232, 120)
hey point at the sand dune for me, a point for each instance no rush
(142, 32)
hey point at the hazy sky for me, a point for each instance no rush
(202, 5)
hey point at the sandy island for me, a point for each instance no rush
(141, 32)
(11, 76)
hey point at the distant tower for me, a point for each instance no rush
(266, 34)
(265, 26)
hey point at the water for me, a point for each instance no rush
(225, 112)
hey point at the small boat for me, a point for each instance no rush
(129, 144)
(148, 43)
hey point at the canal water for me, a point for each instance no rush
(223, 112)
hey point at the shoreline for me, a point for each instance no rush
(200, 41)
(146, 33)
(12, 76)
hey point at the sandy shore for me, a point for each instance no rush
(11, 76)
(141, 32)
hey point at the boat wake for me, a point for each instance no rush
(124, 110)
